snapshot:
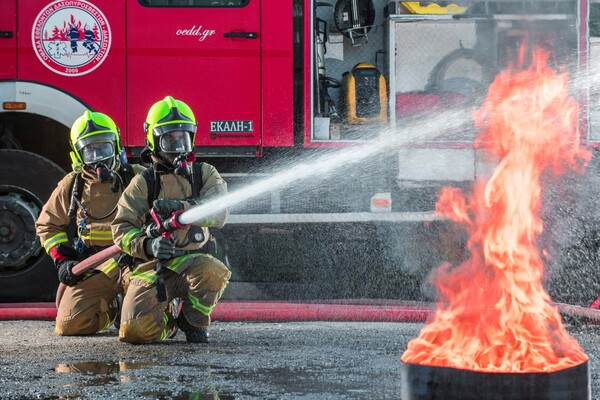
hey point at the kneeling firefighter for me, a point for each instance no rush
(89, 195)
(170, 267)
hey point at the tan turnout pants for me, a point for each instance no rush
(198, 279)
(86, 308)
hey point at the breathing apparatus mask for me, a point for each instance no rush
(170, 132)
(97, 155)
(100, 157)
(96, 145)
(176, 150)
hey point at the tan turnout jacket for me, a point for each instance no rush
(133, 211)
(97, 198)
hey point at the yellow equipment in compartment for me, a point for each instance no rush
(365, 95)
(425, 7)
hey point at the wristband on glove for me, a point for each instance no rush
(56, 255)
(62, 252)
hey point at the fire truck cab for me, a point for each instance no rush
(273, 84)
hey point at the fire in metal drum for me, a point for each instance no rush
(424, 382)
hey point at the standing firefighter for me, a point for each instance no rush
(173, 266)
(90, 195)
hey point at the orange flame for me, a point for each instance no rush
(493, 314)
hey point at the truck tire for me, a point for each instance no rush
(27, 273)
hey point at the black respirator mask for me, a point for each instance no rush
(183, 163)
(103, 171)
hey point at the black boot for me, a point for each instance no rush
(114, 310)
(192, 333)
(172, 312)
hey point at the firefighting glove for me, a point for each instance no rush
(160, 247)
(166, 207)
(65, 273)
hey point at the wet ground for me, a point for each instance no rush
(294, 360)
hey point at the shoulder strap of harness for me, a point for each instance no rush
(126, 173)
(153, 182)
(196, 179)
(76, 190)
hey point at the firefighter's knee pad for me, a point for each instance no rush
(79, 324)
(210, 274)
(144, 329)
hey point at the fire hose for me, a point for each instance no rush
(267, 311)
(284, 311)
(163, 227)
(86, 264)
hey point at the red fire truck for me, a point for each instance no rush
(276, 84)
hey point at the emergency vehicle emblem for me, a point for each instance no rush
(71, 38)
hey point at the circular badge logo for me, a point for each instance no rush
(71, 38)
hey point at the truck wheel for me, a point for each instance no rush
(27, 273)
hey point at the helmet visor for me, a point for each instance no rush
(176, 142)
(96, 152)
(94, 138)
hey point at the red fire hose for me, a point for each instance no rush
(264, 311)
(27, 311)
(86, 264)
(274, 311)
(283, 311)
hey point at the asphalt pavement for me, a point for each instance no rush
(292, 360)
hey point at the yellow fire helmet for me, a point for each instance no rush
(94, 138)
(168, 115)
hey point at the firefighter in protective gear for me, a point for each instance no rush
(88, 195)
(175, 266)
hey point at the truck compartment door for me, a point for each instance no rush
(8, 39)
(207, 54)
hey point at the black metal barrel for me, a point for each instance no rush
(423, 382)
